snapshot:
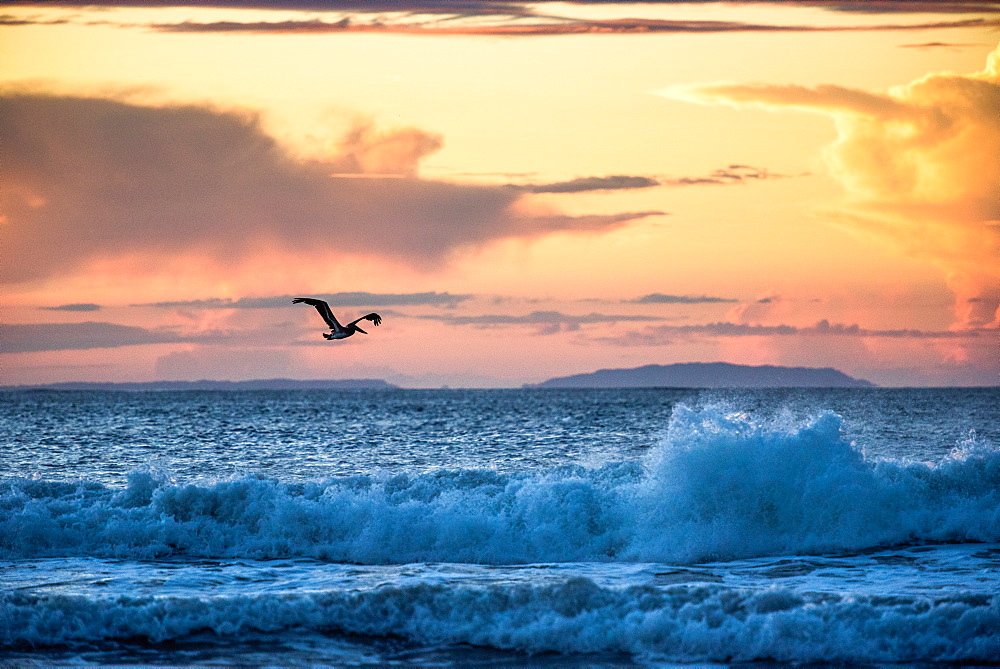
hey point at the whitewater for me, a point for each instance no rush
(500, 527)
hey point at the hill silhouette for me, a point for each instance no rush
(259, 384)
(709, 375)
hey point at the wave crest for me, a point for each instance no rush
(680, 624)
(719, 487)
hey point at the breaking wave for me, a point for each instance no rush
(718, 487)
(679, 624)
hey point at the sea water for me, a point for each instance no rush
(500, 528)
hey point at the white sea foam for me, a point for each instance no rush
(679, 623)
(719, 487)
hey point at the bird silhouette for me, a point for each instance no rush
(337, 331)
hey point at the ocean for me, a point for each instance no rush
(500, 527)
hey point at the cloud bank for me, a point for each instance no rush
(87, 179)
(34, 337)
(662, 335)
(920, 168)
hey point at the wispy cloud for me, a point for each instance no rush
(586, 184)
(666, 334)
(942, 45)
(350, 299)
(514, 19)
(567, 26)
(733, 174)
(591, 222)
(660, 298)
(544, 322)
(909, 6)
(83, 306)
(9, 20)
(727, 176)
(824, 98)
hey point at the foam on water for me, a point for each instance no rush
(696, 622)
(719, 487)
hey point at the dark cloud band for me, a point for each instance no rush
(35, 337)
(540, 317)
(83, 306)
(660, 298)
(540, 322)
(352, 299)
(587, 184)
(732, 174)
(562, 27)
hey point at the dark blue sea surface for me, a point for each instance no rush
(505, 527)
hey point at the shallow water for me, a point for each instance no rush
(500, 527)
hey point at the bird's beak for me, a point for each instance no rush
(360, 330)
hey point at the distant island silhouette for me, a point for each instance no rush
(709, 375)
(682, 375)
(259, 384)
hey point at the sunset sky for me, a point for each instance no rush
(521, 190)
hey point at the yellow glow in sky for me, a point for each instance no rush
(544, 179)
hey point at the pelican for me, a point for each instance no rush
(337, 331)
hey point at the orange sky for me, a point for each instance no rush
(553, 190)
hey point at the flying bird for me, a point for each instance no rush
(337, 331)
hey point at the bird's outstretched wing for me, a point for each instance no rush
(374, 318)
(323, 308)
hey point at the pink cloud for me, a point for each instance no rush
(919, 167)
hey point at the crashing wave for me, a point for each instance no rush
(719, 487)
